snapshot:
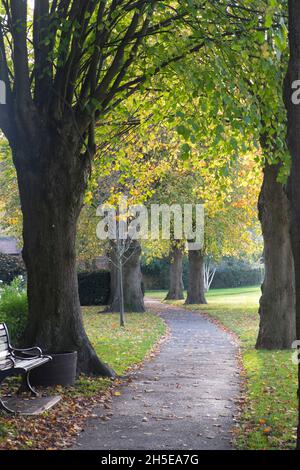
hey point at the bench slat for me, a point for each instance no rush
(8, 361)
(6, 365)
(4, 357)
(27, 364)
(4, 353)
(3, 346)
(30, 363)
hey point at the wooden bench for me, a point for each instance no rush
(14, 362)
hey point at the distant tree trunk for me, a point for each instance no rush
(196, 288)
(113, 296)
(176, 287)
(51, 206)
(277, 328)
(132, 281)
(209, 275)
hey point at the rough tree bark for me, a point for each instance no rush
(132, 281)
(277, 328)
(293, 141)
(51, 194)
(176, 287)
(196, 288)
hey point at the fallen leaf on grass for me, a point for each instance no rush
(267, 430)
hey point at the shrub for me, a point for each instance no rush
(10, 268)
(14, 308)
(231, 272)
(236, 273)
(94, 288)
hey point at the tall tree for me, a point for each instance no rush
(65, 67)
(291, 85)
(277, 303)
(176, 287)
(263, 123)
(133, 296)
(196, 288)
(277, 328)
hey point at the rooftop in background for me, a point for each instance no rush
(9, 246)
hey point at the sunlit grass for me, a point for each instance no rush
(122, 347)
(235, 295)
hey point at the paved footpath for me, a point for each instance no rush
(182, 399)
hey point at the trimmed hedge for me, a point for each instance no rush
(237, 273)
(230, 278)
(230, 273)
(94, 287)
(10, 268)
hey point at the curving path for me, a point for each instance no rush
(182, 399)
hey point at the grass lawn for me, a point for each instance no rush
(226, 295)
(269, 413)
(120, 348)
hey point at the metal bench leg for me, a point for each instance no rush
(26, 386)
(2, 404)
(5, 408)
(29, 387)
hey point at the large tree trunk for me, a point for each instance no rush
(132, 280)
(277, 329)
(51, 195)
(176, 287)
(196, 288)
(293, 140)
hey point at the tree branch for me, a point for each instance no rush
(42, 48)
(20, 58)
(117, 61)
(5, 116)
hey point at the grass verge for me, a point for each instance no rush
(269, 405)
(121, 348)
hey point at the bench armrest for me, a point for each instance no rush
(11, 359)
(27, 352)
